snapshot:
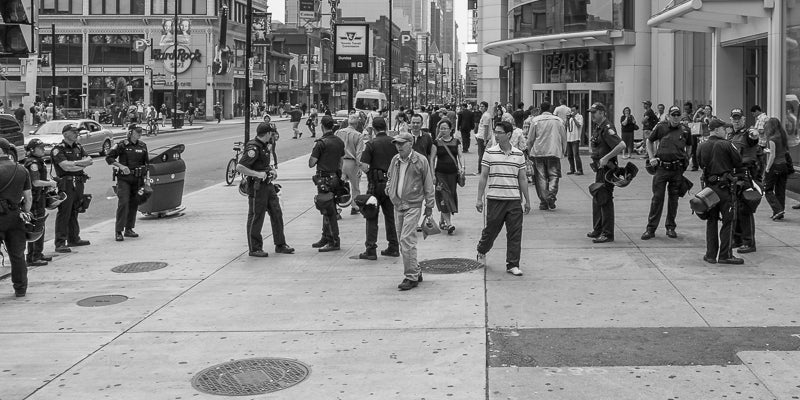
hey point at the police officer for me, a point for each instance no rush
(14, 185)
(606, 145)
(130, 158)
(328, 157)
(375, 162)
(262, 194)
(746, 140)
(40, 185)
(69, 160)
(719, 158)
(668, 150)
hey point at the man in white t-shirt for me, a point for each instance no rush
(562, 110)
(484, 132)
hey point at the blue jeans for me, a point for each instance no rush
(547, 170)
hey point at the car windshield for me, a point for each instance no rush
(53, 127)
(367, 104)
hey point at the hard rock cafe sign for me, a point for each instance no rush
(184, 59)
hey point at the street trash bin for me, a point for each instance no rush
(167, 171)
(179, 119)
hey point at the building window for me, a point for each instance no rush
(116, 7)
(69, 48)
(114, 50)
(544, 17)
(69, 92)
(107, 90)
(238, 53)
(52, 7)
(585, 65)
(791, 67)
(185, 7)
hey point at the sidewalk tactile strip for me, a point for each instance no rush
(145, 266)
(104, 300)
(449, 265)
(250, 376)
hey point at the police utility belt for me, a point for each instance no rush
(136, 172)
(7, 206)
(672, 165)
(75, 178)
(326, 181)
(377, 176)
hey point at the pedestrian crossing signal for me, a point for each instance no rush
(16, 37)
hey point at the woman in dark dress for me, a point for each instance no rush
(446, 167)
(628, 127)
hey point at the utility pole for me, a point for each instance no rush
(53, 68)
(175, 68)
(391, 50)
(248, 55)
(427, 78)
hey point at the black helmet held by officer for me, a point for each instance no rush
(328, 157)
(671, 159)
(130, 159)
(605, 145)
(40, 186)
(262, 193)
(69, 161)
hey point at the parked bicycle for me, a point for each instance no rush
(230, 171)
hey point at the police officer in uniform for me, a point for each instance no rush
(40, 185)
(606, 145)
(668, 150)
(375, 162)
(719, 158)
(130, 158)
(746, 141)
(69, 160)
(328, 157)
(14, 185)
(262, 194)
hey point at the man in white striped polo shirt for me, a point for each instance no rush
(504, 183)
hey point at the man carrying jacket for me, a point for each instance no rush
(410, 184)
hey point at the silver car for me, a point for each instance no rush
(94, 138)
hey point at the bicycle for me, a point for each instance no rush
(152, 127)
(230, 171)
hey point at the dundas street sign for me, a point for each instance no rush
(185, 57)
(351, 50)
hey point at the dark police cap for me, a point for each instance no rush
(718, 123)
(647, 102)
(597, 107)
(70, 127)
(736, 112)
(674, 109)
(135, 127)
(264, 128)
(6, 146)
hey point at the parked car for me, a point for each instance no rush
(94, 138)
(11, 131)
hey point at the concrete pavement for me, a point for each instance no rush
(584, 322)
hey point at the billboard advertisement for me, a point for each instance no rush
(351, 50)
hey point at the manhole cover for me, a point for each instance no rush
(251, 376)
(449, 265)
(133, 268)
(105, 300)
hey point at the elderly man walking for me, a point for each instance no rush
(547, 143)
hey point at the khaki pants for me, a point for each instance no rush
(351, 172)
(406, 225)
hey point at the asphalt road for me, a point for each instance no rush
(207, 153)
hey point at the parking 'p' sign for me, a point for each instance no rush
(139, 45)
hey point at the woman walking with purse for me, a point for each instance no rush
(628, 126)
(448, 166)
(777, 168)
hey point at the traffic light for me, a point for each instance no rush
(16, 36)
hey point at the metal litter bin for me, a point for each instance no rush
(179, 119)
(167, 172)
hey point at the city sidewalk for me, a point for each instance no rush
(240, 120)
(626, 320)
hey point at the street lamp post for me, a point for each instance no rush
(175, 67)
(391, 44)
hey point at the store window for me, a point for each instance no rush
(185, 7)
(114, 50)
(792, 73)
(116, 7)
(69, 48)
(239, 53)
(53, 7)
(69, 92)
(107, 90)
(545, 17)
(585, 65)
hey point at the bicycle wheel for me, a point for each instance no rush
(230, 172)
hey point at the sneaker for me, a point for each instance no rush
(329, 247)
(648, 234)
(731, 260)
(671, 233)
(130, 233)
(407, 284)
(259, 253)
(79, 242)
(593, 234)
(603, 239)
(284, 249)
(515, 271)
(551, 204)
(746, 249)
(451, 229)
(43, 258)
(481, 259)
(367, 255)
(778, 216)
(320, 243)
(118, 237)
(63, 249)
(37, 263)
(709, 260)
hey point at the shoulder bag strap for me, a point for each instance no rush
(449, 153)
(10, 180)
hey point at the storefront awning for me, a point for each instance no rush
(569, 40)
(706, 15)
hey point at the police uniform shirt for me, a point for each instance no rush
(717, 156)
(131, 155)
(38, 171)
(328, 150)
(747, 146)
(379, 152)
(256, 156)
(604, 139)
(64, 152)
(20, 183)
(672, 141)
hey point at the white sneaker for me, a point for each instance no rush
(515, 271)
(481, 259)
